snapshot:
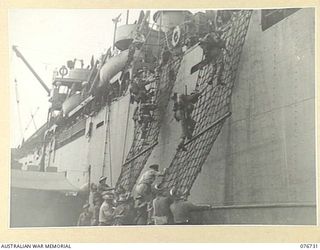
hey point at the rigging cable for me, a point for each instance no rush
(125, 135)
(32, 120)
(110, 156)
(18, 107)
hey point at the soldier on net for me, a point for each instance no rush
(145, 117)
(85, 216)
(138, 90)
(147, 75)
(119, 191)
(183, 107)
(164, 58)
(161, 207)
(136, 44)
(181, 208)
(143, 187)
(213, 46)
(106, 209)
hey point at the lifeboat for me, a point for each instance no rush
(115, 64)
(124, 36)
(79, 74)
(71, 102)
(168, 19)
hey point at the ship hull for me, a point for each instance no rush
(261, 169)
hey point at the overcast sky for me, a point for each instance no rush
(48, 38)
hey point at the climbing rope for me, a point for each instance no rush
(141, 149)
(126, 132)
(210, 112)
(212, 108)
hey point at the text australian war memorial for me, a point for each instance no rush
(190, 117)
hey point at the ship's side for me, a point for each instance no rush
(261, 168)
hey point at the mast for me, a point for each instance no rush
(115, 21)
(127, 19)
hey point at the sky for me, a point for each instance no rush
(48, 38)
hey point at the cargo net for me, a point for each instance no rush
(141, 149)
(211, 109)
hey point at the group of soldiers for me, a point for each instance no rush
(184, 104)
(143, 97)
(149, 203)
(213, 46)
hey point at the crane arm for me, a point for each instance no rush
(18, 53)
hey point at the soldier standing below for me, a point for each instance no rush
(119, 191)
(143, 187)
(95, 211)
(181, 209)
(94, 195)
(161, 207)
(103, 186)
(96, 200)
(106, 209)
(141, 208)
(123, 211)
(85, 216)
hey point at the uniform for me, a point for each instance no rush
(145, 117)
(84, 219)
(95, 215)
(211, 42)
(123, 213)
(143, 187)
(141, 212)
(216, 69)
(96, 197)
(103, 187)
(183, 108)
(106, 214)
(161, 210)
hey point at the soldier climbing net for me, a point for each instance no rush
(212, 108)
(210, 112)
(140, 150)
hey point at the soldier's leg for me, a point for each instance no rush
(183, 135)
(191, 126)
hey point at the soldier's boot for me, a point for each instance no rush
(181, 145)
(144, 142)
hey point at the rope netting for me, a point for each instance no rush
(141, 149)
(212, 108)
